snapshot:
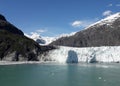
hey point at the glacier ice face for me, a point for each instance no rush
(88, 55)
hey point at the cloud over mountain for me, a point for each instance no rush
(83, 23)
(107, 13)
(76, 23)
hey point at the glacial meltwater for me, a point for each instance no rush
(52, 74)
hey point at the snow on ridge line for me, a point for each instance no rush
(51, 39)
(47, 40)
(108, 20)
(88, 55)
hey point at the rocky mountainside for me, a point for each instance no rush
(14, 46)
(105, 32)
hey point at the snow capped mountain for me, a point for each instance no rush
(105, 32)
(46, 40)
(36, 37)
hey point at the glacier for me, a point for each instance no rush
(88, 55)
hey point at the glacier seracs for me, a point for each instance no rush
(88, 55)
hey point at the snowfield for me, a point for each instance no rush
(88, 55)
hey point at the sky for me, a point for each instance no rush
(55, 17)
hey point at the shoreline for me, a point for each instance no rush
(49, 62)
(20, 62)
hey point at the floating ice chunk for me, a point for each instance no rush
(99, 77)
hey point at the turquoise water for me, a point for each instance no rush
(60, 75)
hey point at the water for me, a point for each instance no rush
(47, 74)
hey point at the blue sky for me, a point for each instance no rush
(54, 17)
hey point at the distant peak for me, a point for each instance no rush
(2, 17)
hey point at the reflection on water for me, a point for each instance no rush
(60, 75)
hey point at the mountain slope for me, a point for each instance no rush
(14, 46)
(103, 33)
(5, 25)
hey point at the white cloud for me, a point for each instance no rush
(107, 13)
(76, 23)
(41, 30)
(118, 5)
(83, 23)
(110, 5)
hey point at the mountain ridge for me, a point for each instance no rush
(108, 20)
(103, 33)
(5, 25)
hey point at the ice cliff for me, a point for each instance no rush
(88, 55)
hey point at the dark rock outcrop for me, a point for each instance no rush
(5, 25)
(2, 17)
(40, 41)
(100, 34)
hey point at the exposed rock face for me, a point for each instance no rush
(103, 33)
(14, 46)
(40, 41)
